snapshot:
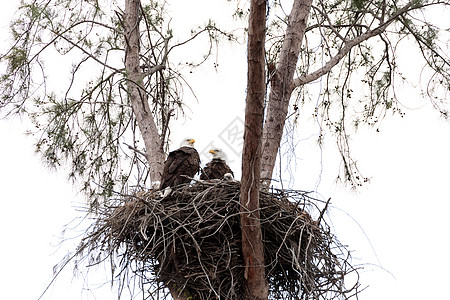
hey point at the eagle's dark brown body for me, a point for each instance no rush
(184, 161)
(215, 169)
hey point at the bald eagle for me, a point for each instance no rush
(217, 167)
(180, 163)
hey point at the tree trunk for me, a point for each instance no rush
(138, 96)
(252, 244)
(281, 87)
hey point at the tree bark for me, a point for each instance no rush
(252, 244)
(281, 87)
(138, 96)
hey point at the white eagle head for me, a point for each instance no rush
(187, 142)
(218, 153)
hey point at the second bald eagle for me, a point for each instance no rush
(217, 167)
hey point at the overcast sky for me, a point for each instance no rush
(397, 226)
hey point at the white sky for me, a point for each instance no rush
(397, 226)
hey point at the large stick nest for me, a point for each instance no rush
(190, 241)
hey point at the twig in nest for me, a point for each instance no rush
(323, 211)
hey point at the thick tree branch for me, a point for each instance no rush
(138, 96)
(280, 93)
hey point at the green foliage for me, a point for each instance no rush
(87, 134)
(359, 4)
(16, 59)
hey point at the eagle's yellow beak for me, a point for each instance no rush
(212, 151)
(192, 141)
